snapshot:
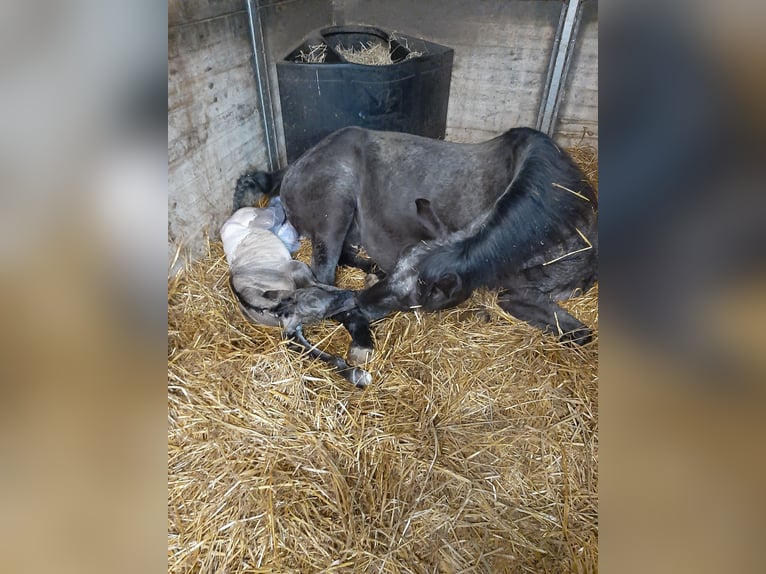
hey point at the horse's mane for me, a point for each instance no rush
(529, 224)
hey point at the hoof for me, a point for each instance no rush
(361, 378)
(481, 315)
(356, 376)
(359, 355)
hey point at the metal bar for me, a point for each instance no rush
(551, 62)
(567, 64)
(566, 37)
(263, 84)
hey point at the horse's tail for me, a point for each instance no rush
(541, 215)
(254, 185)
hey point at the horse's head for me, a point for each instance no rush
(413, 285)
(406, 288)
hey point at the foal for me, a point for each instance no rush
(274, 289)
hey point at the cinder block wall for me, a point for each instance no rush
(214, 128)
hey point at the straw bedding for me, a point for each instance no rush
(474, 450)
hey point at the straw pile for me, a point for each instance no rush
(474, 449)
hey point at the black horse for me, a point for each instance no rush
(442, 219)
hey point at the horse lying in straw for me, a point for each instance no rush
(442, 219)
(274, 289)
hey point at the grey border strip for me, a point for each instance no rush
(566, 36)
(262, 80)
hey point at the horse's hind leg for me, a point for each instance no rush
(323, 209)
(536, 308)
(353, 258)
(325, 255)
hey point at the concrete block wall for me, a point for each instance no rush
(214, 128)
(502, 50)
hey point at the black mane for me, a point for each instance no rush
(534, 221)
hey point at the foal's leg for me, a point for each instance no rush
(536, 308)
(356, 376)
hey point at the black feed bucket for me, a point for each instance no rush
(410, 94)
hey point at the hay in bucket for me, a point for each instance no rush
(372, 53)
(474, 449)
(317, 53)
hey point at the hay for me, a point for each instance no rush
(372, 54)
(586, 157)
(315, 55)
(474, 450)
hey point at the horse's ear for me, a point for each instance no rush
(429, 220)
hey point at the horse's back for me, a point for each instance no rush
(365, 183)
(379, 175)
(400, 167)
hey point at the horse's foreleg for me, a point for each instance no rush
(355, 375)
(537, 309)
(331, 230)
(358, 326)
(351, 256)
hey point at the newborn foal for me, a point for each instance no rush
(274, 289)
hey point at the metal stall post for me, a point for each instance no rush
(263, 84)
(566, 37)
